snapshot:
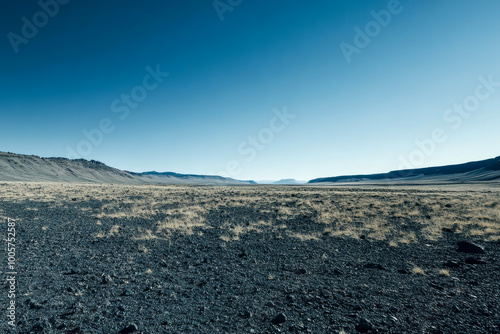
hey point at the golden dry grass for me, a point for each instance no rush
(304, 213)
(444, 272)
(418, 271)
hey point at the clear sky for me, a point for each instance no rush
(356, 84)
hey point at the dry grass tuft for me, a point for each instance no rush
(304, 237)
(418, 271)
(444, 272)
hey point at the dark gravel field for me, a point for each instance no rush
(133, 259)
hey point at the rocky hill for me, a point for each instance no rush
(31, 168)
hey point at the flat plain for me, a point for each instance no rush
(100, 258)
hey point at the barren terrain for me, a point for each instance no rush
(100, 258)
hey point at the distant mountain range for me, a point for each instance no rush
(19, 167)
(477, 171)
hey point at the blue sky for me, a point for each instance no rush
(374, 111)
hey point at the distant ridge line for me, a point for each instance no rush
(32, 168)
(483, 170)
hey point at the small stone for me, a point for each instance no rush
(475, 260)
(105, 279)
(301, 271)
(364, 326)
(469, 247)
(127, 292)
(129, 329)
(374, 266)
(246, 314)
(279, 319)
(451, 264)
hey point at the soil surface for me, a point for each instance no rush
(70, 281)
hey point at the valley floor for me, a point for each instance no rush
(252, 259)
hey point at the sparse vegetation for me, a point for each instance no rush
(399, 216)
(444, 272)
(158, 247)
(418, 271)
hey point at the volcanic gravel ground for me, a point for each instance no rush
(72, 282)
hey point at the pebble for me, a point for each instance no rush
(469, 247)
(364, 326)
(279, 319)
(129, 329)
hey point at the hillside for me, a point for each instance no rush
(31, 168)
(477, 171)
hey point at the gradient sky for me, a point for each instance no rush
(227, 76)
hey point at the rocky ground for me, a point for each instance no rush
(246, 266)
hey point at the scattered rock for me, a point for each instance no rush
(475, 260)
(451, 264)
(127, 292)
(364, 326)
(279, 319)
(470, 247)
(71, 272)
(374, 266)
(246, 314)
(436, 286)
(106, 279)
(300, 271)
(129, 329)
